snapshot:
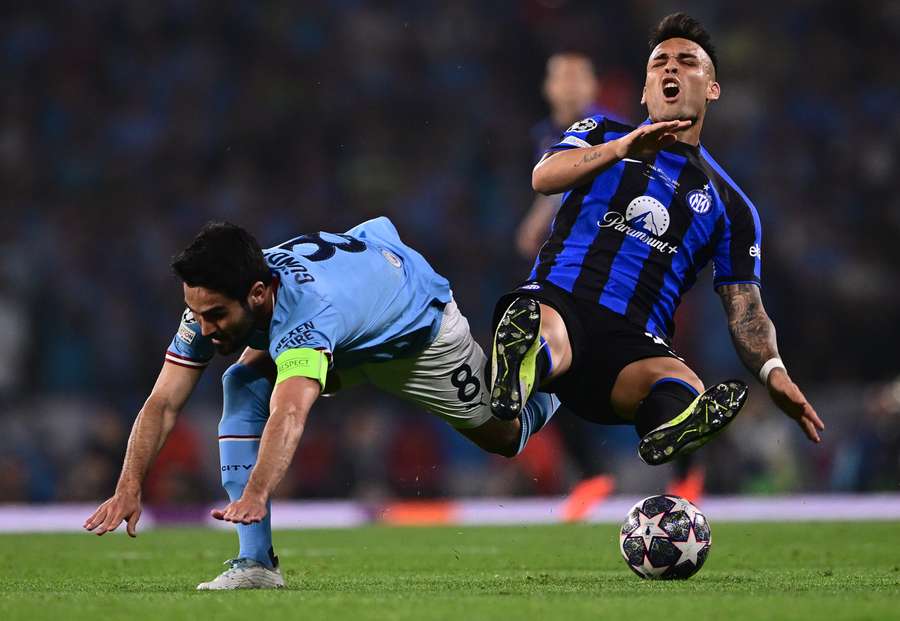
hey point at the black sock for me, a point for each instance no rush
(667, 398)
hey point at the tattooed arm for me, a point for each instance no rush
(753, 335)
(560, 171)
(751, 329)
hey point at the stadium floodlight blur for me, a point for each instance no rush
(122, 130)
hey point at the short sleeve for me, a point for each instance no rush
(316, 326)
(587, 132)
(189, 348)
(738, 254)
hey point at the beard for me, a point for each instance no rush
(236, 338)
(225, 347)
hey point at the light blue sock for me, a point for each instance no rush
(537, 412)
(244, 414)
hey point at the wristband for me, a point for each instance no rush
(768, 367)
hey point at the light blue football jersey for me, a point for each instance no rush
(363, 296)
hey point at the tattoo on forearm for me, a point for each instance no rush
(589, 157)
(751, 329)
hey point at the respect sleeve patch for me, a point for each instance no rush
(305, 362)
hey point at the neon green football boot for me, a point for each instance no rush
(705, 417)
(514, 357)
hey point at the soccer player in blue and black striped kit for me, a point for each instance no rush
(644, 210)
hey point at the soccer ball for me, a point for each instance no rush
(665, 537)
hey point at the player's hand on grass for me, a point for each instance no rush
(790, 400)
(245, 510)
(647, 140)
(109, 515)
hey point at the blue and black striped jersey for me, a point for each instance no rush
(635, 237)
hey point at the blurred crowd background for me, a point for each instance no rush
(125, 125)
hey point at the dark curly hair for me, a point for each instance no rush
(224, 258)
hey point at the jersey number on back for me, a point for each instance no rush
(324, 249)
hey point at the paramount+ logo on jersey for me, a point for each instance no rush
(645, 219)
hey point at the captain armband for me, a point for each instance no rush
(304, 362)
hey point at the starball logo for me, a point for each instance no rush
(645, 219)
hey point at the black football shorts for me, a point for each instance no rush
(603, 343)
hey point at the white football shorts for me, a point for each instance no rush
(447, 379)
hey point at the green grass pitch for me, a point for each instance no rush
(825, 571)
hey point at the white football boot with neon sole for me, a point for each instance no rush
(244, 573)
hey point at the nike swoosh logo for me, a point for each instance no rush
(628, 159)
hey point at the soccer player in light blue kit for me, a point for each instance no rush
(315, 314)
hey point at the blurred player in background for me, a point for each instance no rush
(644, 210)
(315, 314)
(571, 88)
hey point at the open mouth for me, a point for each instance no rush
(670, 88)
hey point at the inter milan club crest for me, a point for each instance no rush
(699, 200)
(584, 125)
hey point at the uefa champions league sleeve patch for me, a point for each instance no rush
(189, 348)
(188, 325)
(186, 334)
(584, 125)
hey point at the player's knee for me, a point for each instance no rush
(244, 399)
(233, 377)
(554, 331)
(679, 370)
(553, 328)
(694, 381)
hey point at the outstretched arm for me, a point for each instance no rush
(561, 171)
(290, 404)
(754, 339)
(148, 434)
